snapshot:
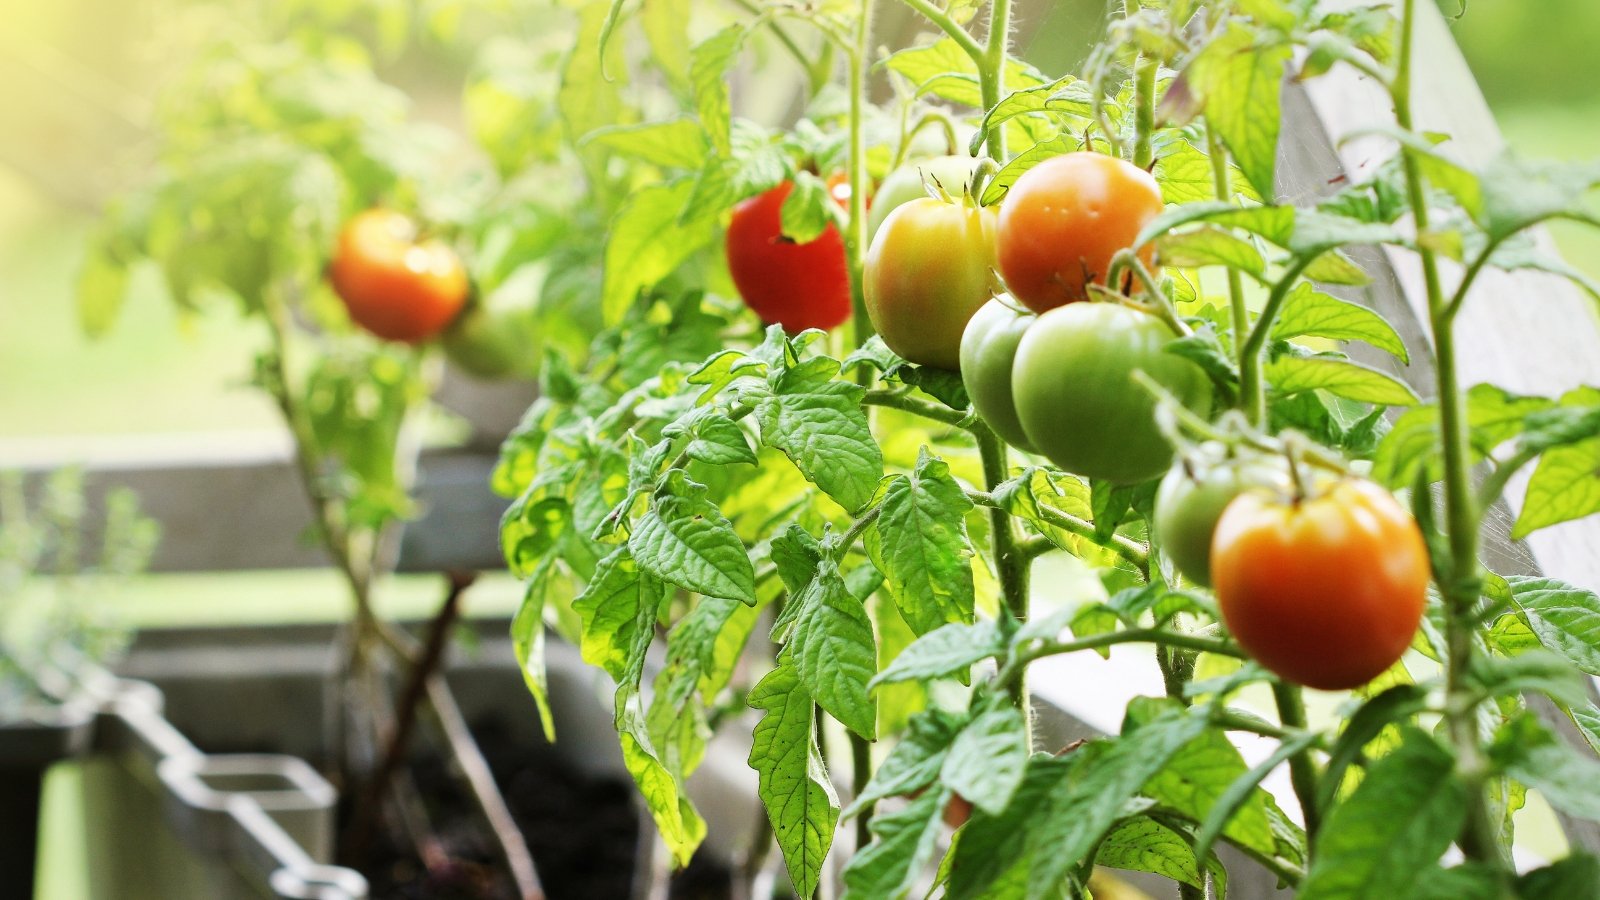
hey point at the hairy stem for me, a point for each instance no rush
(992, 72)
(1011, 563)
(1252, 389)
(1125, 547)
(1479, 839)
(1144, 114)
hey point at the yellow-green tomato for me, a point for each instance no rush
(1076, 397)
(988, 352)
(910, 181)
(928, 270)
(1193, 495)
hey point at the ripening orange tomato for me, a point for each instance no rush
(393, 285)
(1064, 219)
(1326, 591)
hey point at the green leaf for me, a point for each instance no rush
(1184, 173)
(685, 540)
(1066, 97)
(719, 441)
(527, 641)
(666, 27)
(1531, 671)
(1566, 483)
(709, 62)
(674, 144)
(1201, 774)
(945, 70)
(646, 243)
(1144, 845)
(1002, 181)
(804, 215)
(1576, 876)
(990, 857)
(1238, 77)
(903, 843)
(1334, 267)
(1081, 809)
(1518, 194)
(915, 761)
(676, 819)
(1529, 752)
(1393, 829)
(1342, 378)
(945, 651)
(1586, 719)
(1306, 233)
(1566, 619)
(1210, 247)
(1309, 312)
(1363, 727)
(833, 649)
(618, 608)
(819, 424)
(587, 99)
(986, 763)
(920, 544)
(792, 781)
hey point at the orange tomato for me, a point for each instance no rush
(394, 286)
(1064, 219)
(1326, 592)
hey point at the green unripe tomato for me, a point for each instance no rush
(497, 337)
(988, 353)
(1193, 495)
(905, 184)
(928, 270)
(1076, 397)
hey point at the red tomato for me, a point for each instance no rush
(1064, 219)
(798, 286)
(1326, 592)
(392, 285)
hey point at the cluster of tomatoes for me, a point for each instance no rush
(1321, 580)
(400, 286)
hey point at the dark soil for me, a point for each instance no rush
(583, 833)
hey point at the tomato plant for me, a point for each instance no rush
(798, 285)
(1064, 220)
(832, 529)
(1076, 397)
(392, 284)
(927, 272)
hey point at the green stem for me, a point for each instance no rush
(1125, 547)
(992, 72)
(860, 774)
(1479, 839)
(1302, 769)
(1127, 636)
(1144, 114)
(906, 403)
(1011, 563)
(944, 23)
(783, 36)
(1252, 389)
(1495, 484)
(1238, 312)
